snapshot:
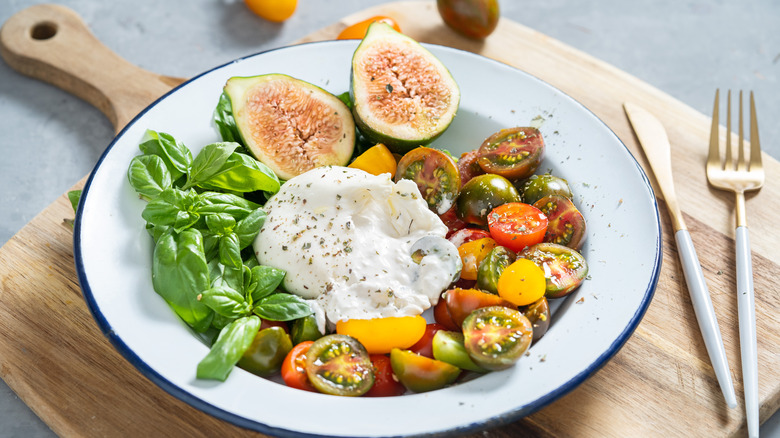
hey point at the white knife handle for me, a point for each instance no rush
(747, 329)
(705, 314)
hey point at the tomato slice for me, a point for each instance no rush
(376, 160)
(442, 315)
(461, 302)
(449, 347)
(538, 313)
(339, 365)
(564, 268)
(566, 223)
(481, 195)
(380, 335)
(424, 347)
(267, 352)
(513, 153)
(496, 337)
(435, 174)
(465, 235)
(468, 166)
(358, 30)
(492, 267)
(421, 374)
(450, 219)
(294, 368)
(305, 329)
(517, 225)
(472, 253)
(522, 283)
(385, 382)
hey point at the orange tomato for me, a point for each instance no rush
(472, 253)
(376, 161)
(358, 30)
(380, 335)
(516, 225)
(522, 283)
(273, 10)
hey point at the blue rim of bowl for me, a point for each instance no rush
(246, 423)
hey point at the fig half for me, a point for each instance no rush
(291, 125)
(402, 95)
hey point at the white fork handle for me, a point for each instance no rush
(747, 329)
(705, 314)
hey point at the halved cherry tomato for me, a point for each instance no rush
(267, 352)
(564, 268)
(538, 186)
(464, 235)
(492, 266)
(517, 225)
(468, 166)
(496, 337)
(538, 313)
(385, 382)
(472, 253)
(267, 323)
(435, 174)
(513, 153)
(421, 374)
(522, 283)
(358, 30)
(424, 346)
(442, 315)
(273, 10)
(448, 347)
(461, 302)
(294, 368)
(566, 223)
(481, 195)
(450, 219)
(305, 329)
(376, 160)
(339, 365)
(380, 335)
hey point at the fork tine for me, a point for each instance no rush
(741, 162)
(713, 159)
(755, 146)
(729, 163)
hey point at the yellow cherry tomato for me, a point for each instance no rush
(376, 161)
(522, 283)
(472, 253)
(358, 30)
(380, 335)
(272, 10)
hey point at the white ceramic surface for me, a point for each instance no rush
(623, 248)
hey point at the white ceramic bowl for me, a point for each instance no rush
(113, 256)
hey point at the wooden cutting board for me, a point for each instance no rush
(55, 358)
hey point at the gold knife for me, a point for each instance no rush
(652, 137)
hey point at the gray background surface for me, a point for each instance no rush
(51, 139)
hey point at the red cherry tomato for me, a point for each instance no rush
(385, 382)
(464, 235)
(513, 153)
(468, 166)
(451, 220)
(567, 225)
(442, 315)
(516, 225)
(267, 323)
(424, 347)
(294, 368)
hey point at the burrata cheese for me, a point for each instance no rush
(346, 238)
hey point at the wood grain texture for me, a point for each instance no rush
(659, 384)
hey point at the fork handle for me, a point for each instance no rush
(705, 314)
(747, 329)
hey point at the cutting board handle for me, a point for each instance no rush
(53, 44)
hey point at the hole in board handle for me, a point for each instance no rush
(44, 30)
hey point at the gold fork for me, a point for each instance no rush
(744, 174)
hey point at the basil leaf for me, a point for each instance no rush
(242, 173)
(176, 155)
(231, 344)
(263, 281)
(226, 301)
(148, 175)
(226, 276)
(156, 231)
(219, 322)
(208, 162)
(180, 274)
(229, 252)
(226, 123)
(282, 307)
(248, 227)
(220, 223)
(74, 196)
(173, 207)
(236, 206)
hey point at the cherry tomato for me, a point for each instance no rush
(339, 365)
(448, 347)
(538, 186)
(513, 153)
(481, 195)
(294, 368)
(472, 18)
(273, 10)
(496, 337)
(492, 266)
(305, 329)
(538, 313)
(380, 335)
(564, 268)
(468, 166)
(464, 235)
(358, 30)
(267, 352)
(376, 160)
(522, 283)
(442, 315)
(385, 382)
(566, 223)
(424, 346)
(267, 323)
(517, 225)
(421, 374)
(435, 174)
(450, 219)
(461, 302)
(472, 253)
